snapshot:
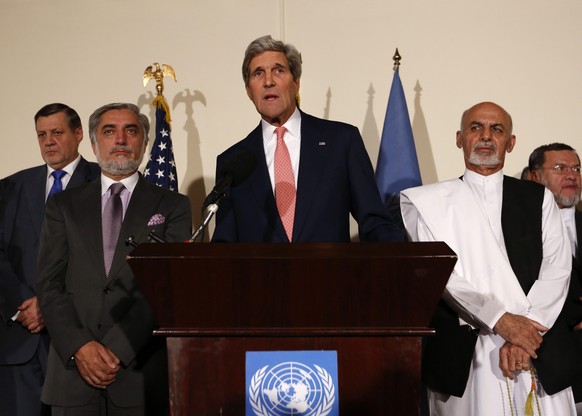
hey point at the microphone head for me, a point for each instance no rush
(239, 167)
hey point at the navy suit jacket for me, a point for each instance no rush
(22, 204)
(336, 178)
(80, 303)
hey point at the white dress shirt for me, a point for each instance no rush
(292, 139)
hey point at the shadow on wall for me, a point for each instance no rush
(424, 151)
(194, 177)
(370, 132)
(327, 104)
(193, 182)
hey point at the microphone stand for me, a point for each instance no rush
(212, 208)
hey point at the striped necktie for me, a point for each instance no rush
(57, 184)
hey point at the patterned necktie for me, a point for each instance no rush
(111, 222)
(57, 184)
(284, 183)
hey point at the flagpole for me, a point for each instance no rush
(397, 166)
(161, 167)
(396, 59)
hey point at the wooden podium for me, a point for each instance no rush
(370, 302)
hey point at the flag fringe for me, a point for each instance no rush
(160, 102)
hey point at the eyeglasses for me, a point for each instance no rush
(560, 169)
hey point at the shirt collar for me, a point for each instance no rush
(568, 214)
(478, 179)
(130, 182)
(293, 125)
(70, 168)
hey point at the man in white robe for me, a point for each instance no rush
(509, 283)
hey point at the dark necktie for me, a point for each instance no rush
(111, 222)
(57, 184)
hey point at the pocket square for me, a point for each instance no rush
(156, 219)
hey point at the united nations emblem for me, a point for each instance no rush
(291, 388)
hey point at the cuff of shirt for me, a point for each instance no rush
(491, 313)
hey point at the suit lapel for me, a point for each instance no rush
(81, 174)
(88, 207)
(312, 163)
(141, 207)
(35, 190)
(260, 184)
(34, 193)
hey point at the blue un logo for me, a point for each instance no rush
(291, 388)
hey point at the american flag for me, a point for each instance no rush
(161, 168)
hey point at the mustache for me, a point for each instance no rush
(121, 149)
(482, 145)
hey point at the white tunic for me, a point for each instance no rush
(466, 214)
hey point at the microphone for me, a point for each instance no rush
(212, 208)
(152, 237)
(131, 241)
(233, 173)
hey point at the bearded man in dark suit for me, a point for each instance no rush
(557, 167)
(103, 358)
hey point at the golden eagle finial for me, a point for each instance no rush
(158, 73)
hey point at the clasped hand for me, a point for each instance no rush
(523, 339)
(97, 364)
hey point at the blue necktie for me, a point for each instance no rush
(57, 184)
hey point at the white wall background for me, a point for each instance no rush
(525, 55)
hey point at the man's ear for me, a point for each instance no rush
(79, 135)
(511, 143)
(535, 176)
(458, 140)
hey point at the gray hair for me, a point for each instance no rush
(95, 118)
(267, 43)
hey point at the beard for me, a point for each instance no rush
(567, 202)
(561, 200)
(484, 160)
(119, 167)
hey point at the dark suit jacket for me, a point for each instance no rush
(22, 204)
(336, 178)
(572, 312)
(81, 304)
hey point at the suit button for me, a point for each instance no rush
(99, 326)
(107, 290)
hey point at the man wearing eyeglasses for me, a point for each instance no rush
(557, 166)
